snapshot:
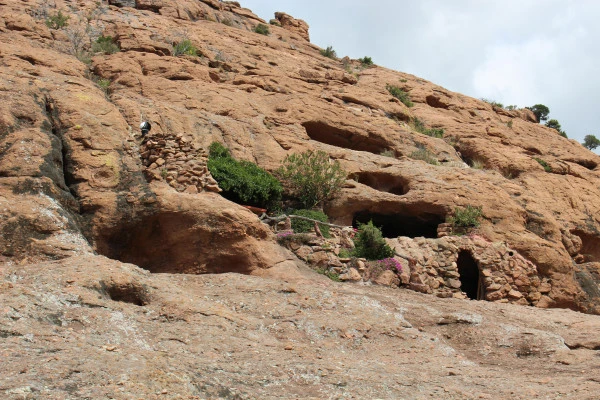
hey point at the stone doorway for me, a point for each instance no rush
(470, 277)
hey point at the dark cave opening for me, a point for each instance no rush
(394, 225)
(334, 136)
(470, 277)
(173, 243)
(382, 181)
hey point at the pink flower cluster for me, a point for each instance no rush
(391, 264)
(283, 234)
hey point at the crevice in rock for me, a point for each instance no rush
(532, 150)
(171, 242)
(395, 225)
(435, 102)
(588, 164)
(129, 292)
(382, 181)
(470, 276)
(334, 136)
(51, 114)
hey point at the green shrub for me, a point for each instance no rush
(366, 61)
(400, 95)
(185, 47)
(433, 132)
(330, 274)
(302, 226)
(106, 45)
(311, 177)
(329, 52)
(370, 244)
(104, 84)
(493, 103)
(57, 21)
(261, 29)
(591, 142)
(424, 155)
(544, 164)
(468, 217)
(242, 181)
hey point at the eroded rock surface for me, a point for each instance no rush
(78, 184)
(90, 327)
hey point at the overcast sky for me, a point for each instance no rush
(520, 52)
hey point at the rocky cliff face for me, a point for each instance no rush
(69, 147)
(77, 181)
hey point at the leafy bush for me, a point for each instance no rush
(57, 21)
(366, 61)
(370, 244)
(302, 226)
(311, 177)
(106, 45)
(185, 47)
(540, 111)
(544, 164)
(399, 94)
(424, 155)
(433, 132)
(242, 181)
(328, 52)
(591, 142)
(468, 217)
(261, 29)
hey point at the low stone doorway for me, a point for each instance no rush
(470, 276)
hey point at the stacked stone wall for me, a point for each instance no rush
(178, 161)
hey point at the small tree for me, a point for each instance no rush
(541, 112)
(366, 61)
(554, 124)
(311, 177)
(57, 21)
(370, 244)
(591, 142)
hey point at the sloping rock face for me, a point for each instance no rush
(266, 97)
(83, 198)
(90, 327)
(73, 173)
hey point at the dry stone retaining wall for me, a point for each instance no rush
(505, 275)
(178, 161)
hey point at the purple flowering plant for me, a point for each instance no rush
(390, 264)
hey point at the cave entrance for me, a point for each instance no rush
(394, 225)
(471, 281)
